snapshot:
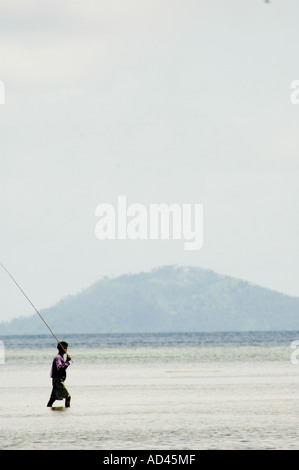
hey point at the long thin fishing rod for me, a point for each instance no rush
(32, 306)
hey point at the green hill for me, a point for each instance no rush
(167, 299)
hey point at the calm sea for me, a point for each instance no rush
(153, 391)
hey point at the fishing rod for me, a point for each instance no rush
(33, 307)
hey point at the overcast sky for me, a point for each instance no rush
(174, 101)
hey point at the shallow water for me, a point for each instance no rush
(153, 392)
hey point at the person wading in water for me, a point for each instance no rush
(58, 375)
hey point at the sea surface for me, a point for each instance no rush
(153, 391)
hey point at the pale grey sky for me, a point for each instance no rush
(184, 101)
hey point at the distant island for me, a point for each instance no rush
(166, 299)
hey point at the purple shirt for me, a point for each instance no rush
(59, 367)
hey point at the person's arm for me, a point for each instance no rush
(60, 363)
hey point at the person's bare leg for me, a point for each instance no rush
(68, 402)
